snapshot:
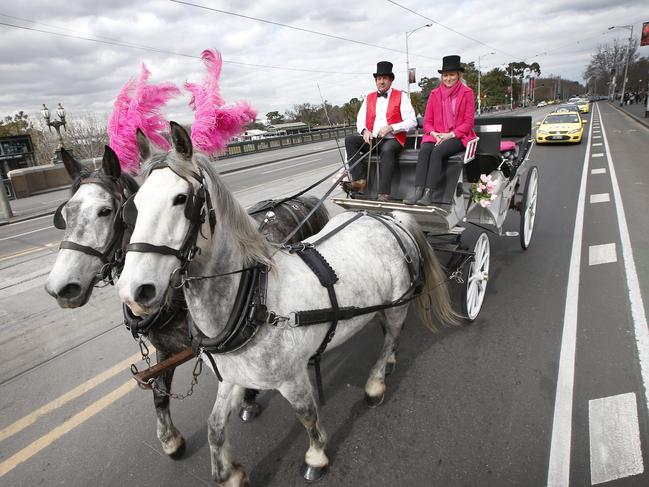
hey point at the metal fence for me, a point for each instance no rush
(262, 145)
(9, 189)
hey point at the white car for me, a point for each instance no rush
(541, 104)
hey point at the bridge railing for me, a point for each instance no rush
(282, 141)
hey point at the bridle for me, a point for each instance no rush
(112, 255)
(198, 209)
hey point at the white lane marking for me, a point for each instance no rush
(292, 165)
(600, 154)
(615, 450)
(286, 178)
(632, 282)
(559, 464)
(265, 155)
(602, 254)
(599, 171)
(248, 169)
(600, 198)
(28, 221)
(597, 144)
(26, 233)
(596, 137)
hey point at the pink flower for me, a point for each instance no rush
(493, 197)
(485, 203)
(479, 189)
(490, 186)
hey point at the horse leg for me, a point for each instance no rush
(250, 408)
(392, 359)
(224, 471)
(392, 322)
(173, 444)
(300, 395)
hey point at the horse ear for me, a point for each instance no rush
(110, 163)
(143, 145)
(181, 140)
(73, 166)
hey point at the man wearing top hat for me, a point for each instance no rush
(384, 118)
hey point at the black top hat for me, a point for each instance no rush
(384, 68)
(451, 63)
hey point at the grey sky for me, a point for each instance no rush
(86, 76)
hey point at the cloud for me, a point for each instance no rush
(86, 75)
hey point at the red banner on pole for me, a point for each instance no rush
(644, 39)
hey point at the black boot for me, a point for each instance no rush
(426, 199)
(412, 199)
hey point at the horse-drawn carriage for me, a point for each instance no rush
(497, 157)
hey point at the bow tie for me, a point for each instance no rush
(382, 95)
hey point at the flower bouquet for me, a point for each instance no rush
(482, 192)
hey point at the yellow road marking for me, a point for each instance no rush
(76, 420)
(81, 389)
(30, 251)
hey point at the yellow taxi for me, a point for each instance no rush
(584, 106)
(557, 127)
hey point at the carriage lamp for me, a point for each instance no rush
(57, 124)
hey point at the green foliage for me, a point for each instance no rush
(350, 109)
(16, 125)
(275, 118)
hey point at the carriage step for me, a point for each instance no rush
(511, 234)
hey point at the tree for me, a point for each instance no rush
(274, 118)
(607, 63)
(17, 125)
(350, 109)
(427, 85)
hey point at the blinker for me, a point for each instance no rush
(129, 211)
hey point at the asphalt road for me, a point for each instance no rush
(541, 390)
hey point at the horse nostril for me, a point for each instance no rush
(145, 293)
(70, 291)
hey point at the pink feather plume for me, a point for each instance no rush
(214, 123)
(138, 106)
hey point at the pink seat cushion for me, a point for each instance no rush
(506, 145)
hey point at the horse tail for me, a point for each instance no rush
(433, 305)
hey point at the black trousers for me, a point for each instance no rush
(430, 160)
(389, 150)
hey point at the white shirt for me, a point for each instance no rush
(407, 114)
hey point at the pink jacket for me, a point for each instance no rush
(463, 119)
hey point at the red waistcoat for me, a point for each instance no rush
(393, 114)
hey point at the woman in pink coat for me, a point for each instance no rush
(448, 127)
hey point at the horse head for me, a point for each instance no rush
(183, 212)
(93, 228)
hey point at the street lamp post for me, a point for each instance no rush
(57, 124)
(408, 57)
(479, 76)
(628, 54)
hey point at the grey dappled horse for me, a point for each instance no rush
(94, 231)
(370, 264)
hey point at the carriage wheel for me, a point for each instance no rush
(528, 207)
(475, 279)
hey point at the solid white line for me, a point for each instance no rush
(599, 171)
(596, 137)
(602, 254)
(615, 450)
(599, 198)
(559, 465)
(26, 233)
(600, 154)
(292, 165)
(248, 169)
(597, 144)
(29, 221)
(632, 282)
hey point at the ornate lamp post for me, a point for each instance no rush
(408, 58)
(57, 124)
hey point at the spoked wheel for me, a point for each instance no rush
(475, 279)
(528, 207)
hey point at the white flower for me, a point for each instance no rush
(485, 203)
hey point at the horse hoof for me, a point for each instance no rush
(313, 474)
(249, 412)
(374, 401)
(389, 368)
(179, 452)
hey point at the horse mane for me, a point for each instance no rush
(245, 236)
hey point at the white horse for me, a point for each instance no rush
(368, 259)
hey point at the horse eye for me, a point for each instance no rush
(180, 199)
(104, 212)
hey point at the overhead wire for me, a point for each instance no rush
(300, 29)
(174, 53)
